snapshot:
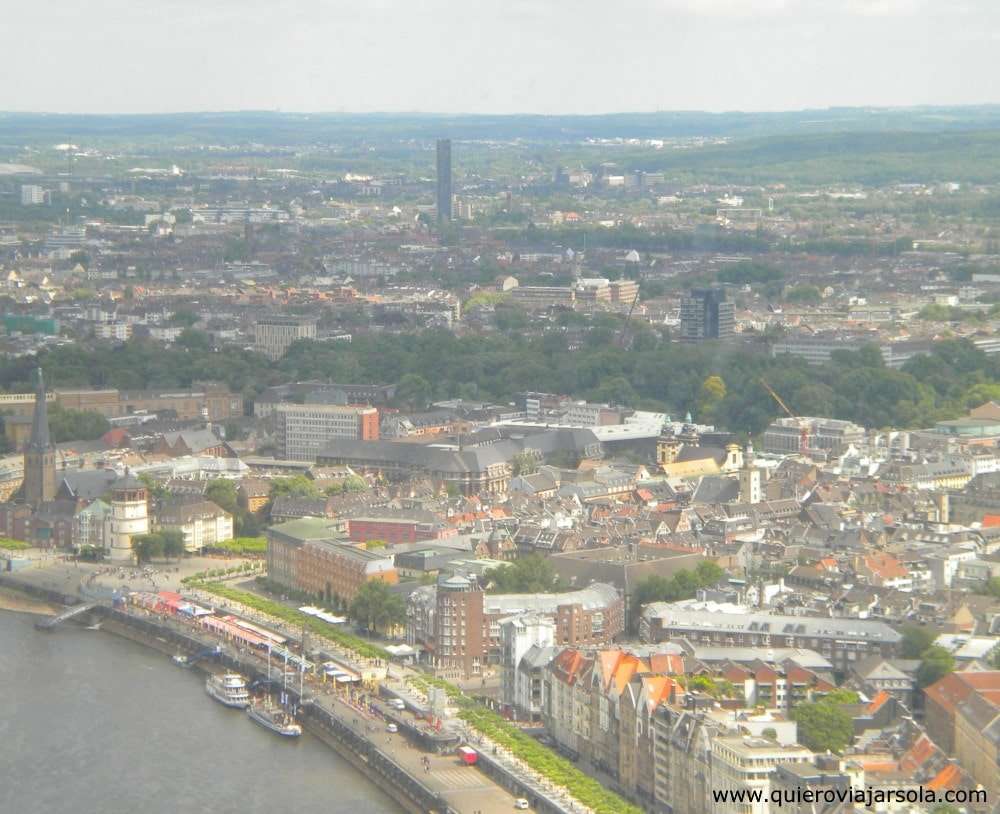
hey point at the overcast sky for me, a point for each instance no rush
(496, 56)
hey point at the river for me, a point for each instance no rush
(93, 724)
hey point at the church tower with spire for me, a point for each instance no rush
(40, 454)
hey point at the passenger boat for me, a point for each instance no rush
(275, 719)
(229, 689)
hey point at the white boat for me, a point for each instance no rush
(229, 689)
(277, 720)
(180, 659)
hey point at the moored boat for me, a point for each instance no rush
(229, 689)
(275, 719)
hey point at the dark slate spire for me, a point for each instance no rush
(40, 439)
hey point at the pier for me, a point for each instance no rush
(70, 613)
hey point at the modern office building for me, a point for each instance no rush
(275, 335)
(304, 429)
(706, 314)
(443, 180)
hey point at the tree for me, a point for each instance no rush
(824, 725)
(413, 391)
(173, 543)
(682, 585)
(711, 395)
(524, 463)
(295, 486)
(376, 607)
(916, 640)
(804, 294)
(145, 547)
(527, 575)
(222, 492)
(935, 664)
(194, 340)
(76, 425)
(184, 318)
(153, 486)
(992, 587)
(354, 483)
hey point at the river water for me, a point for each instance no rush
(94, 724)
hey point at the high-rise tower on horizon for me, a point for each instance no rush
(443, 180)
(706, 314)
(40, 454)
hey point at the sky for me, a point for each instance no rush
(496, 56)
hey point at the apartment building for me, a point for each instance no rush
(275, 334)
(302, 430)
(521, 680)
(201, 523)
(458, 626)
(540, 297)
(745, 763)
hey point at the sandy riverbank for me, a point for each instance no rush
(13, 600)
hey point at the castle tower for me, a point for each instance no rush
(40, 454)
(129, 515)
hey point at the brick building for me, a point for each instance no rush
(458, 625)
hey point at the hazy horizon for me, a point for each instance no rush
(500, 58)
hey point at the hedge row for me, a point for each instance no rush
(294, 617)
(13, 545)
(244, 545)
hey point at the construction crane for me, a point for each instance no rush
(803, 424)
(626, 326)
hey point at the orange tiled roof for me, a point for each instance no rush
(947, 778)
(876, 766)
(876, 703)
(954, 688)
(668, 663)
(922, 750)
(886, 566)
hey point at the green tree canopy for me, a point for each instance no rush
(294, 486)
(76, 425)
(824, 725)
(377, 608)
(935, 664)
(526, 575)
(916, 640)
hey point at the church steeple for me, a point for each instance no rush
(40, 454)
(40, 439)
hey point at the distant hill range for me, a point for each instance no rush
(273, 128)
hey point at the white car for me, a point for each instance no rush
(521, 803)
(392, 728)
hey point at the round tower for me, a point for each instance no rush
(129, 515)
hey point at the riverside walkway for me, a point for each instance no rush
(466, 789)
